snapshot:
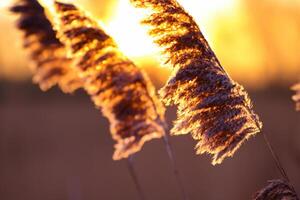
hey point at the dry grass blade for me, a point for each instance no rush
(50, 63)
(296, 97)
(121, 90)
(211, 106)
(276, 190)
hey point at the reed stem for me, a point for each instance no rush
(276, 158)
(175, 168)
(277, 162)
(134, 177)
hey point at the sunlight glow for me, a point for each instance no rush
(204, 12)
(243, 33)
(5, 3)
(133, 39)
(130, 36)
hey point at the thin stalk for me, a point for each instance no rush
(277, 161)
(175, 168)
(276, 158)
(134, 177)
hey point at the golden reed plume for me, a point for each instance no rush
(50, 63)
(296, 97)
(121, 90)
(276, 190)
(211, 106)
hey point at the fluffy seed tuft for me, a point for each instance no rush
(296, 97)
(121, 90)
(276, 190)
(212, 107)
(48, 55)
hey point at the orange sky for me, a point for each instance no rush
(257, 41)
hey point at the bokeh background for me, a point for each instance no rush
(58, 147)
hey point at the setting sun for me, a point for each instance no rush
(130, 36)
(133, 39)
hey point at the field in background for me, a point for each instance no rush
(55, 146)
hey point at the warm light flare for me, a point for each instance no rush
(130, 36)
(5, 3)
(133, 39)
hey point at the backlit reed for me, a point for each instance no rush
(50, 64)
(212, 107)
(122, 91)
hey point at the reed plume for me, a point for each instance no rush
(122, 91)
(48, 55)
(296, 97)
(276, 190)
(212, 107)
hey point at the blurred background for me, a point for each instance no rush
(57, 146)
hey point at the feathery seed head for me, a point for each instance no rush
(121, 90)
(296, 97)
(48, 55)
(276, 190)
(211, 106)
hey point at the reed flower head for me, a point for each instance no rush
(212, 107)
(276, 190)
(120, 89)
(296, 97)
(48, 55)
